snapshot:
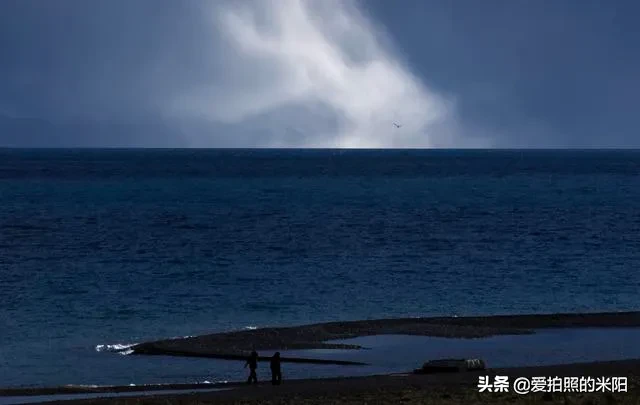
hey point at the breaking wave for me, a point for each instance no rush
(119, 348)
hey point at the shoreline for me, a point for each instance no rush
(340, 386)
(231, 345)
(236, 345)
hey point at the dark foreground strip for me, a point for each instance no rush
(623, 368)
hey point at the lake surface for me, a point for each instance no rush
(104, 247)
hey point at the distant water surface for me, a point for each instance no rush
(103, 247)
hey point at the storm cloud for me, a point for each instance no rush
(312, 73)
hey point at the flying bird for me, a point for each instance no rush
(397, 125)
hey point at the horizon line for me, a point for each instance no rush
(133, 148)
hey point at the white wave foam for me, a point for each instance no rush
(251, 327)
(119, 348)
(214, 382)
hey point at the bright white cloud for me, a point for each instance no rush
(315, 73)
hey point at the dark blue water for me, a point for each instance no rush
(111, 246)
(397, 353)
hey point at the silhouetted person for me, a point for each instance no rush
(276, 374)
(252, 362)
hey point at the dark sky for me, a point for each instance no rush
(255, 73)
(570, 68)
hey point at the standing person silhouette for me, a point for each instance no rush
(276, 374)
(252, 362)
